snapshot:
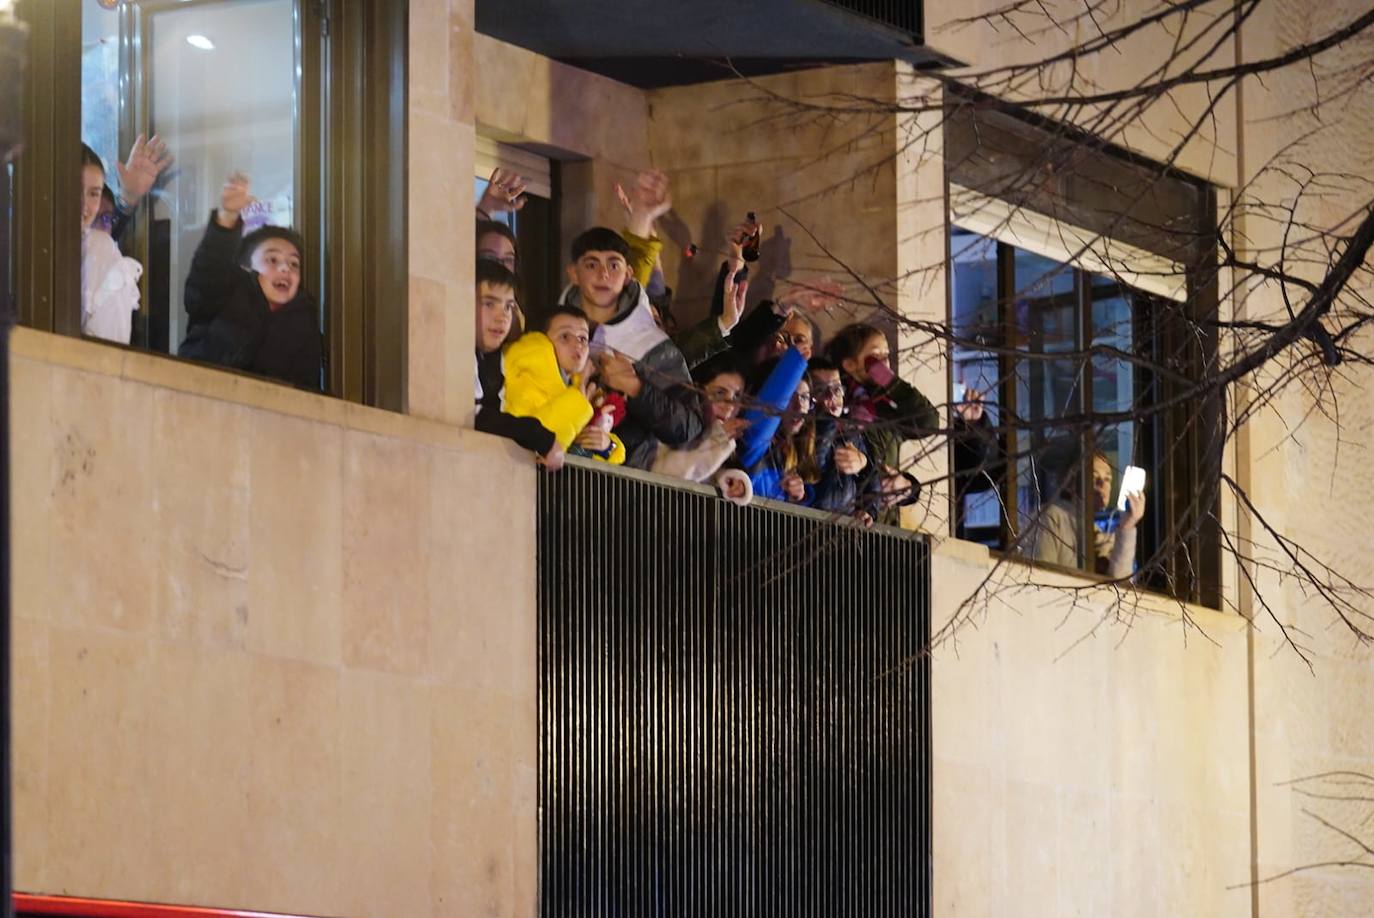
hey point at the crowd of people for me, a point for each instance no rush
(752, 401)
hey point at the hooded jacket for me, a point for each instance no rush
(666, 410)
(233, 325)
(536, 388)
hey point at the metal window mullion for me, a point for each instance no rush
(1083, 339)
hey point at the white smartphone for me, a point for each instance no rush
(960, 390)
(1132, 481)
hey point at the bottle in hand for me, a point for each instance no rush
(751, 244)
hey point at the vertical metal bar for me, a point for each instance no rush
(1083, 336)
(714, 737)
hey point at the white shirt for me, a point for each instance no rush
(109, 288)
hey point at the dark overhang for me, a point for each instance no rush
(653, 43)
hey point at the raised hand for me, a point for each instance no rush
(1135, 510)
(734, 302)
(624, 198)
(649, 199)
(971, 408)
(146, 162)
(736, 240)
(233, 198)
(505, 192)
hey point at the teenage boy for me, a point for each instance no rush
(639, 360)
(245, 301)
(496, 311)
(548, 378)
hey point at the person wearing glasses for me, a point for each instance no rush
(782, 466)
(849, 483)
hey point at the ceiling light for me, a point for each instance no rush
(201, 42)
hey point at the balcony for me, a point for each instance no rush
(734, 705)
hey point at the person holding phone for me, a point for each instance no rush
(1053, 534)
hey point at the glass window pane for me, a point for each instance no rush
(220, 84)
(1045, 320)
(216, 125)
(977, 323)
(1118, 386)
(100, 106)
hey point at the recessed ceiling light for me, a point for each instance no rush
(201, 42)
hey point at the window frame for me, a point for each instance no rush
(988, 144)
(351, 146)
(536, 224)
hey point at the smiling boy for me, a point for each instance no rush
(247, 307)
(641, 361)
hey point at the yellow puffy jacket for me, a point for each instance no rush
(643, 255)
(535, 389)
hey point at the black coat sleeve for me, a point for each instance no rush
(492, 417)
(666, 405)
(978, 456)
(671, 413)
(528, 432)
(755, 328)
(835, 491)
(914, 415)
(214, 270)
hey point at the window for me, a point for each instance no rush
(540, 267)
(1007, 300)
(1079, 305)
(304, 98)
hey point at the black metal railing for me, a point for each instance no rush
(906, 16)
(734, 710)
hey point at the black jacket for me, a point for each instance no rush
(491, 408)
(232, 324)
(703, 341)
(837, 492)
